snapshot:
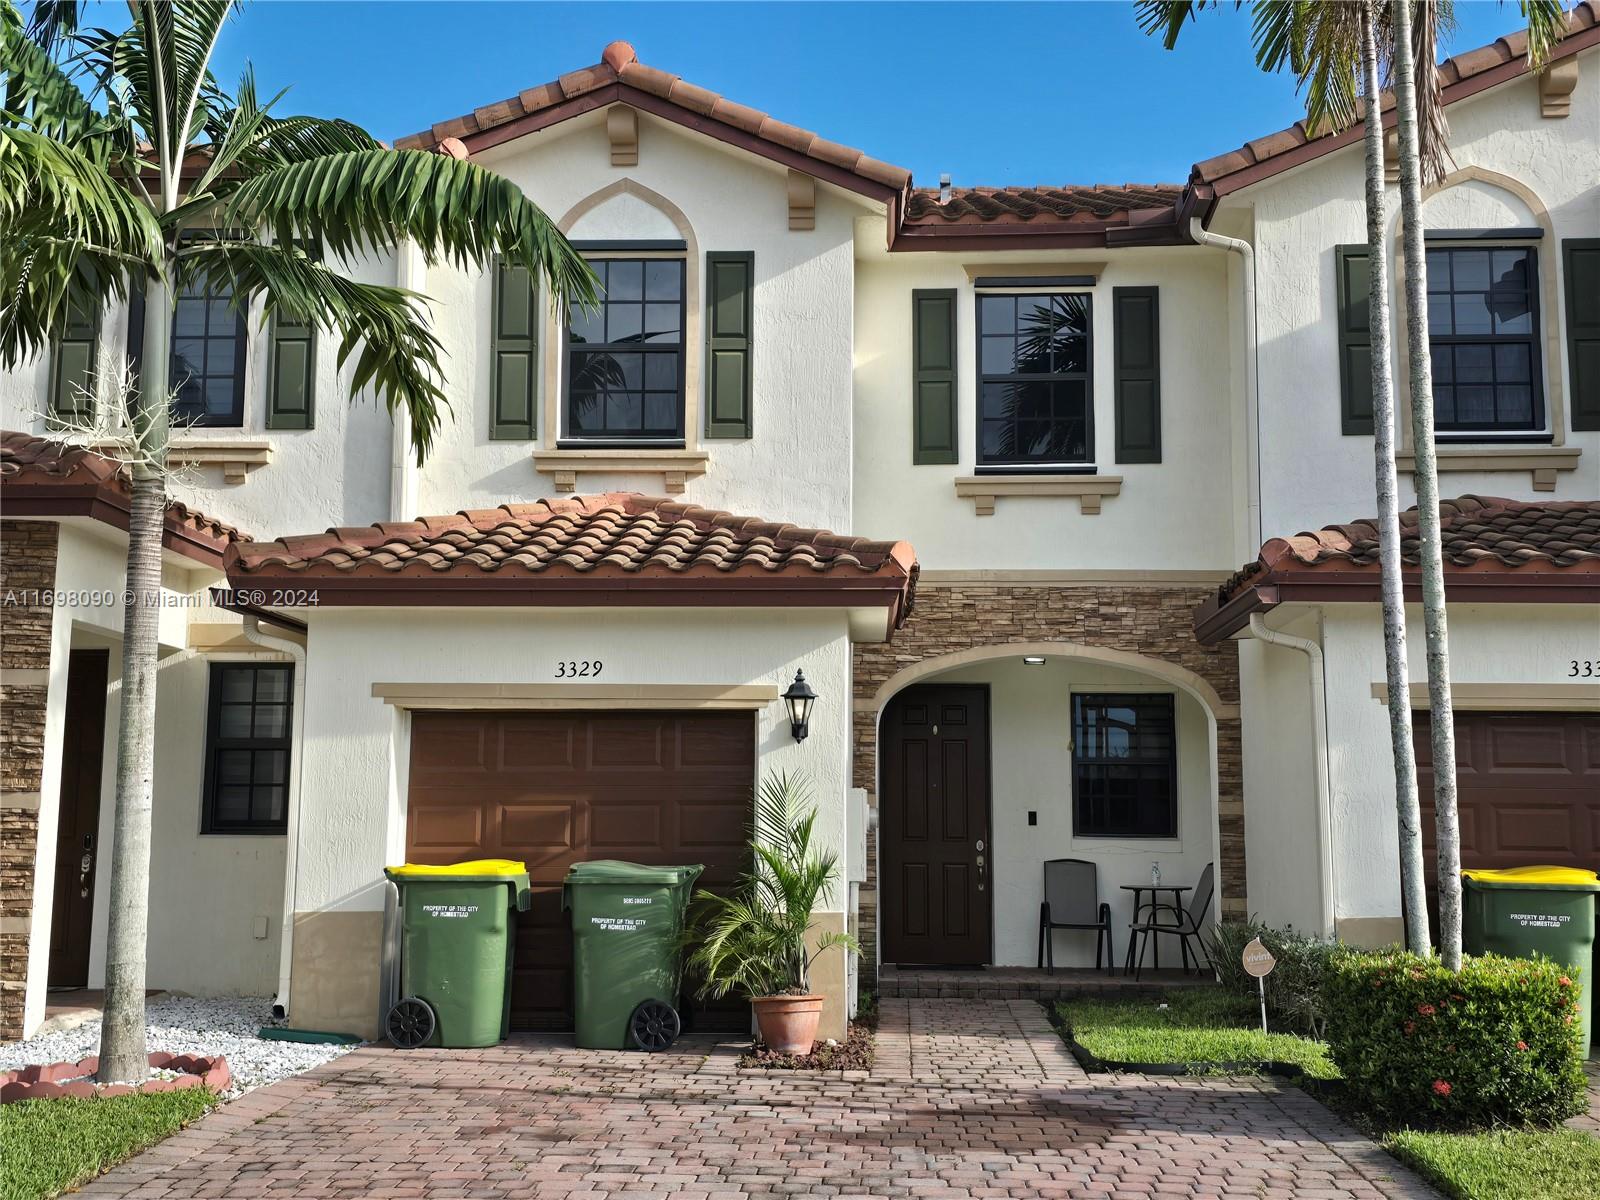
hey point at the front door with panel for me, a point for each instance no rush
(79, 832)
(935, 858)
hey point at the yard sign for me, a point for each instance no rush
(1258, 961)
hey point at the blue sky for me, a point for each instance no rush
(993, 93)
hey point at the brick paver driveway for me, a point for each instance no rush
(968, 1099)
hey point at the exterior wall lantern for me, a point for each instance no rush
(799, 699)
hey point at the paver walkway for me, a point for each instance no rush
(968, 1099)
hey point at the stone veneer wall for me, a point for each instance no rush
(27, 565)
(1154, 621)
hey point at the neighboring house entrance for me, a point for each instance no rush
(1528, 788)
(934, 830)
(77, 838)
(554, 788)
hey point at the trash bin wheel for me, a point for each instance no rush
(411, 1023)
(655, 1025)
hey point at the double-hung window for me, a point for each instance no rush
(625, 355)
(1483, 331)
(247, 748)
(1124, 766)
(1035, 403)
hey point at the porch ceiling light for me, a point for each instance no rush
(799, 699)
(1033, 660)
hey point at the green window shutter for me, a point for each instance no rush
(73, 359)
(933, 387)
(1582, 268)
(515, 349)
(292, 374)
(1136, 375)
(730, 295)
(1355, 343)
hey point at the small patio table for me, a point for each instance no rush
(1139, 906)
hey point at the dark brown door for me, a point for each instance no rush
(933, 813)
(77, 839)
(1528, 791)
(552, 789)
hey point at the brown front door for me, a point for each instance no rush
(933, 811)
(552, 789)
(77, 838)
(1527, 788)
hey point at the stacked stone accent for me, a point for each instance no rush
(1153, 621)
(27, 567)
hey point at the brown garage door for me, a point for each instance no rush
(552, 789)
(1528, 787)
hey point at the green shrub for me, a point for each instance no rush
(1422, 1047)
(1294, 989)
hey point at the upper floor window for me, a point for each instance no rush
(1483, 330)
(624, 368)
(208, 352)
(1034, 398)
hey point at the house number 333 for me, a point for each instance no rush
(582, 669)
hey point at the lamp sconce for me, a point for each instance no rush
(799, 699)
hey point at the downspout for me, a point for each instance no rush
(1252, 395)
(1319, 740)
(296, 652)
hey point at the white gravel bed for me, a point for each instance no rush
(189, 1025)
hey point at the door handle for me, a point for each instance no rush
(979, 845)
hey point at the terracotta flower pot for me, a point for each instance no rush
(788, 1024)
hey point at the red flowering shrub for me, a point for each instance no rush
(1420, 1046)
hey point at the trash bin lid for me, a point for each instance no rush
(607, 870)
(481, 868)
(1565, 878)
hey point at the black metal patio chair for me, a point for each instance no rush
(1186, 923)
(1072, 901)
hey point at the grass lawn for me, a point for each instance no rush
(47, 1146)
(1197, 1026)
(1561, 1164)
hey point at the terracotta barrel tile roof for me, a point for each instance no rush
(1107, 203)
(41, 477)
(1460, 75)
(620, 66)
(1488, 542)
(636, 549)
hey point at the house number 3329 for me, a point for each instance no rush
(581, 669)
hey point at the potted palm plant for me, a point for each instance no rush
(756, 940)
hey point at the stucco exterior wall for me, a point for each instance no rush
(1311, 474)
(1176, 514)
(796, 467)
(353, 800)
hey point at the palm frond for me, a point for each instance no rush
(1547, 25)
(452, 209)
(1429, 19)
(1167, 17)
(40, 95)
(53, 22)
(382, 328)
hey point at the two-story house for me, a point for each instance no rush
(1049, 425)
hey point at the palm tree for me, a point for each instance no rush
(1423, 154)
(126, 168)
(1333, 51)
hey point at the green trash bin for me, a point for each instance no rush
(627, 926)
(1525, 911)
(458, 928)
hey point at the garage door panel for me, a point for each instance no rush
(1528, 746)
(1536, 830)
(560, 788)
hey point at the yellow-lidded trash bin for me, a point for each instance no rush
(1523, 911)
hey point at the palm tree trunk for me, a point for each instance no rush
(122, 1030)
(1436, 632)
(1412, 890)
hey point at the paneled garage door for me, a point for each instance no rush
(552, 789)
(1528, 787)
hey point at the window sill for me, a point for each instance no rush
(983, 490)
(236, 456)
(1543, 462)
(674, 466)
